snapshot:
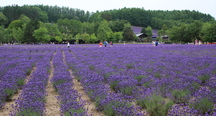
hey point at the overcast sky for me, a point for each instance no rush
(204, 6)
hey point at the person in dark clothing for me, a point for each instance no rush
(156, 43)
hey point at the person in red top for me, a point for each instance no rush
(101, 44)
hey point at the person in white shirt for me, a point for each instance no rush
(68, 45)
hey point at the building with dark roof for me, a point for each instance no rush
(137, 31)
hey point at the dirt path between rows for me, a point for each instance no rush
(7, 109)
(89, 106)
(52, 104)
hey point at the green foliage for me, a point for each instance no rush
(17, 34)
(7, 36)
(16, 24)
(109, 108)
(209, 34)
(117, 36)
(155, 105)
(114, 25)
(72, 111)
(113, 85)
(128, 90)
(2, 34)
(203, 105)
(193, 30)
(9, 93)
(204, 78)
(128, 34)
(104, 31)
(59, 82)
(179, 34)
(180, 96)
(3, 19)
(58, 39)
(130, 66)
(68, 27)
(91, 67)
(24, 18)
(163, 30)
(149, 31)
(28, 72)
(117, 26)
(20, 82)
(29, 31)
(139, 78)
(53, 31)
(41, 35)
(28, 112)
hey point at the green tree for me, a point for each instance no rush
(193, 30)
(179, 34)
(17, 34)
(117, 36)
(41, 35)
(128, 34)
(93, 38)
(53, 30)
(117, 26)
(163, 30)
(88, 27)
(143, 30)
(106, 15)
(7, 37)
(3, 19)
(75, 27)
(149, 31)
(24, 18)
(104, 31)
(86, 37)
(58, 39)
(29, 30)
(210, 33)
(16, 24)
(1, 34)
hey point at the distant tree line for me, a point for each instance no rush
(44, 24)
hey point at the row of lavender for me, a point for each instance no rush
(32, 100)
(14, 69)
(183, 74)
(107, 101)
(62, 82)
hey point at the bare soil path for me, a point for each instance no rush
(89, 106)
(52, 104)
(7, 109)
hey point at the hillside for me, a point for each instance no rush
(136, 16)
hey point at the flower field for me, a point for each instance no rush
(124, 80)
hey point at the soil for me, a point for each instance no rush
(52, 104)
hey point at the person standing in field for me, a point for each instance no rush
(111, 44)
(105, 43)
(153, 43)
(101, 44)
(196, 42)
(156, 43)
(200, 42)
(68, 45)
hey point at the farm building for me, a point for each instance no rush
(137, 31)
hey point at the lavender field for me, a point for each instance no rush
(124, 80)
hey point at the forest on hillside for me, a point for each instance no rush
(43, 23)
